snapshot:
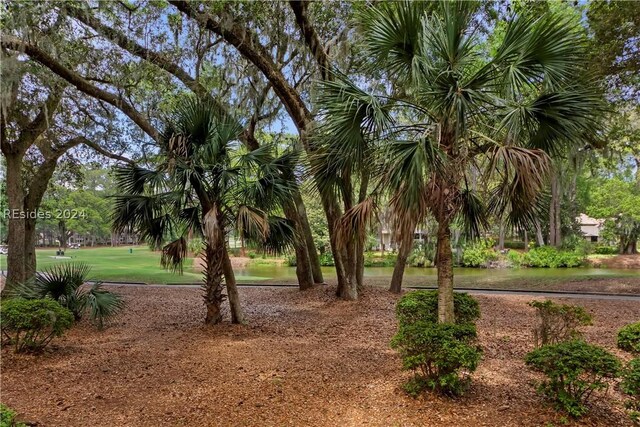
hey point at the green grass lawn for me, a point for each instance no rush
(117, 264)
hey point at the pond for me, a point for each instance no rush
(477, 275)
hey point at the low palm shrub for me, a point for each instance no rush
(574, 370)
(64, 283)
(629, 338)
(29, 325)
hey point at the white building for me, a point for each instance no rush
(590, 227)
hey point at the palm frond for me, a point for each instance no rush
(355, 221)
(473, 214)
(173, 255)
(102, 304)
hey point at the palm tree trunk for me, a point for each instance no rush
(349, 290)
(444, 263)
(305, 230)
(359, 254)
(237, 315)
(213, 283)
(554, 212)
(404, 250)
(539, 236)
(303, 264)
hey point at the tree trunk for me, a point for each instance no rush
(526, 241)
(359, 255)
(406, 244)
(555, 238)
(501, 236)
(444, 263)
(235, 305)
(30, 238)
(16, 272)
(539, 236)
(213, 282)
(303, 265)
(305, 230)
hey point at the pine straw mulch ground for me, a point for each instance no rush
(305, 359)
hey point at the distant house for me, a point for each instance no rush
(590, 227)
(386, 238)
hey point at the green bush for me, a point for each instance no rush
(64, 283)
(630, 385)
(515, 258)
(550, 257)
(422, 254)
(8, 417)
(558, 322)
(422, 306)
(574, 370)
(31, 324)
(629, 338)
(605, 250)
(513, 244)
(479, 254)
(442, 356)
(195, 246)
(326, 259)
(372, 260)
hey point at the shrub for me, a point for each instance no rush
(372, 260)
(630, 385)
(441, 355)
(252, 255)
(31, 324)
(326, 259)
(422, 254)
(605, 250)
(8, 417)
(195, 246)
(558, 322)
(629, 338)
(516, 259)
(513, 244)
(422, 306)
(479, 254)
(550, 257)
(64, 283)
(574, 370)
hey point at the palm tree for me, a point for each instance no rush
(203, 183)
(460, 114)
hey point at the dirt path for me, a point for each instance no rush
(305, 359)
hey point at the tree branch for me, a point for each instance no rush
(29, 134)
(248, 45)
(300, 10)
(97, 148)
(37, 54)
